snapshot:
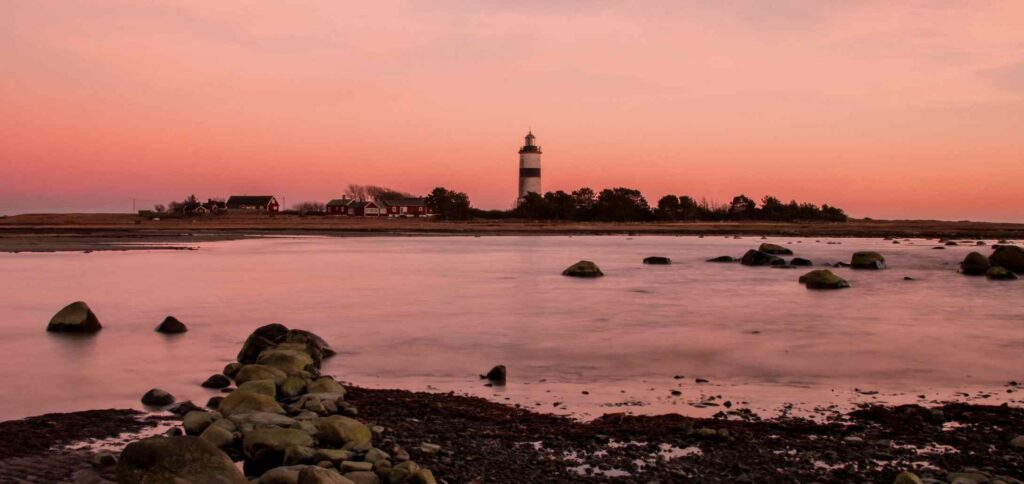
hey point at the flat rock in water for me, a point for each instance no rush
(76, 317)
(723, 258)
(157, 398)
(823, 279)
(758, 258)
(867, 260)
(171, 325)
(583, 268)
(797, 261)
(217, 381)
(1010, 257)
(998, 273)
(657, 260)
(774, 249)
(975, 264)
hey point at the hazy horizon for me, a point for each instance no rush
(908, 111)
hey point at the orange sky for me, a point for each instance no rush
(913, 110)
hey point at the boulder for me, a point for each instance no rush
(247, 422)
(176, 459)
(196, 421)
(319, 475)
(299, 454)
(263, 387)
(867, 260)
(823, 279)
(231, 369)
(797, 261)
(214, 402)
(334, 456)
(339, 430)
(260, 372)
(325, 385)
(998, 273)
(758, 258)
(171, 325)
(218, 436)
(216, 381)
(497, 374)
(291, 361)
(264, 337)
(774, 249)
(281, 475)
(363, 477)
(293, 386)
(583, 268)
(657, 260)
(723, 258)
(265, 448)
(974, 264)
(157, 398)
(183, 408)
(74, 318)
(238, 402)
(1017, 442)
(907, 477)
(1010, 257)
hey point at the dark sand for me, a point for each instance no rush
(484, 441)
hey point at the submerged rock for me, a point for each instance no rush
(723, 258)
(171, 325)
(497, 374)
(823, 279)
(1010, 257)
(76, 317)
(774, 249)
(758, 258)
(657, 260)
(157, 398)
(797, 261)
(216, 381)
(974, 264)
(867, 260)
(999, 273)
(176, 459)
(583, 268)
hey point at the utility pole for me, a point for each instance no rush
(133, 205)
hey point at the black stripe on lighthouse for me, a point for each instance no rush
(529, 172)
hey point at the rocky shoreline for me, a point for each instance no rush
(482, 441)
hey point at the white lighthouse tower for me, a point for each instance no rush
(529, 167)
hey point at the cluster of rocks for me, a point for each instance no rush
(1005, 263)
(285, 421)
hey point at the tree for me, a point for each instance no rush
(356, 192)
(621, 204)
(560, 205)
(742, 207)
(668, 208)
(532, 206)
(309, 207)
(584, 200)
(383, 194)
(159, 208)
(449, 204)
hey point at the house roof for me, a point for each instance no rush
(237, 201)
(366, 204)
(340, 202)
(406, 202)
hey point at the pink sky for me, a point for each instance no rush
(887, 109)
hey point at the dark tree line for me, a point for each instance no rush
(671, 207)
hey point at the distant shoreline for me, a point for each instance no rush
(88, 232)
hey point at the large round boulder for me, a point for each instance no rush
(240, 401)
(975, 264)
(76, 317)
(867, 260)
(196, 421)
(774, 249)
(157, 398)
(264, 337)
(758, 258)
(171, 325)
(583, 268)
(1010, 257)
(823, 279)
(338, 430)
(176, 459)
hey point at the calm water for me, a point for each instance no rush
(433, 312)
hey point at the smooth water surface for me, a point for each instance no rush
(433, 312)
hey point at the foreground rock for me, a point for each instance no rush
(76, 317)
(823, 279)
(171, 325)
(157, 398)
(998, 273)
(497, 374)
(657, 260)
(1009, 257)
(774, 249)
(758, 258)
(176, 459)
(867, 260)
(583, 268)
(975, 264)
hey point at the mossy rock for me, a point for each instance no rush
(975, 264)
(867, 260)
(239, 402)
(325, 385)
(657, 260)
(263, 387)
(823, 279)
(774, 249)
(76, 317)
(291, 361)
(1010, 257)
(176, 459)
(758, 258)
(583, 268)
(260, 372)
(338, 430)
(999, 273)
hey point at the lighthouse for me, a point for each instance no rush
(529, 167)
